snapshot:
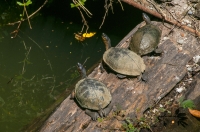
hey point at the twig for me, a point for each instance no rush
(13, 23)
(84, 21)
(24, 45)
(68, 70)
(121, 4)
(27, 16)
(26, 58)
(86, 60)
(15, 32)
(83, 7)
(49, 63)
(83, 18)
(106, 6)
(167, 19)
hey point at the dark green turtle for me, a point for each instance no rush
(121, 60)
(92, 95)
(146, 39)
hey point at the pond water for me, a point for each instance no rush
(40, 63)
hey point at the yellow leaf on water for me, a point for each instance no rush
(79, 37)
(88, 35)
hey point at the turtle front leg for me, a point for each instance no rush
(101, 67)
(92, 114)
(72, 95)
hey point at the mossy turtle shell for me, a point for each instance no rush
(124, 61)
(92, 94)
(145, 39)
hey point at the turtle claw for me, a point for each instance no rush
(93, 115)
(106, 111)
(101, 113)
(144, 77)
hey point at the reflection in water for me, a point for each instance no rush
(38, 65)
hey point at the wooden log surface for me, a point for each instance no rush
(133, 97)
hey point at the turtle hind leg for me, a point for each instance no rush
(139, 78)
(94, 115)
(157, 52)
(104, 112)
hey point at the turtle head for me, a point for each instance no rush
(106, 40)
(146, 18)
(81, 70)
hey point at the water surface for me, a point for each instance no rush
(40, 63)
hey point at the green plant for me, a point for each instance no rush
(128, 126)
(79, 3)
(100, 119)
(28, 2)
(163, 110)
(143, 123)
(186, 103)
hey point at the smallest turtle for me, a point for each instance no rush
(146, 39)
(92, 95)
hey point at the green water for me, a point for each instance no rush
(40, 63)
(37, 66)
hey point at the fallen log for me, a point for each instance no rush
(130, 96)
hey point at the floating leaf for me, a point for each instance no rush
(88, 35)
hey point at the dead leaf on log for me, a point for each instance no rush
(195, 113)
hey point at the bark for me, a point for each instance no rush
(130, 97)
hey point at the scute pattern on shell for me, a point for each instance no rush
(124, 61)
(92, 94)
(145, 39)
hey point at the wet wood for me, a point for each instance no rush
(130, 96)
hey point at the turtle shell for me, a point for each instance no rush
(124, 61)
(92, 94)
(145, 39)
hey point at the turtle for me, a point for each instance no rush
(146, 39)
(122, 60)
(92, 95)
